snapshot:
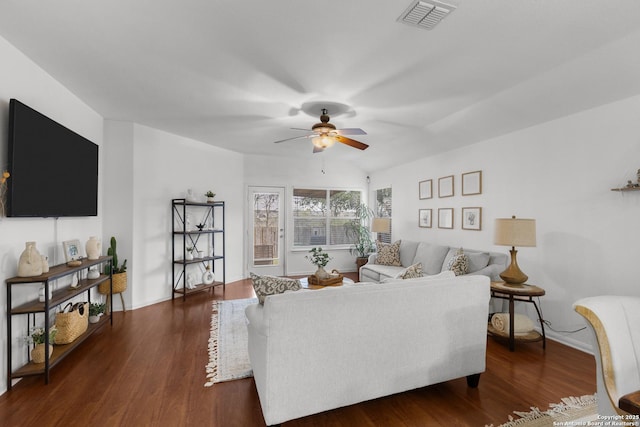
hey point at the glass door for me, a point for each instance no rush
(266, 235)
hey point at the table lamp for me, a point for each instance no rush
(515, 232)
(381, 225)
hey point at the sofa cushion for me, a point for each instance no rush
(431, 256)
(444, 275)
(476, 260)
(412, 272)
(458, 263)
(388, 253)
(408, 252)
(272, 285)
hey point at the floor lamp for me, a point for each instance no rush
(381, 225)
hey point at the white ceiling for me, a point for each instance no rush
(235, 73)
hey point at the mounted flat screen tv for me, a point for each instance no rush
(54, 171)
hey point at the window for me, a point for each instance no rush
(383, 210)
(320, 216)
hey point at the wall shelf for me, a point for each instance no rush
(626, 189)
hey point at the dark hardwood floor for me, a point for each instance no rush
(149, 370)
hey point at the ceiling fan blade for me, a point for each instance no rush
(350, 131)
(291, 139)
(351, 142)
(306, 130)
(317, 149)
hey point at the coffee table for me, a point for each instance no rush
(304, 282)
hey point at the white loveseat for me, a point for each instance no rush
(434, 259)
(312, 351)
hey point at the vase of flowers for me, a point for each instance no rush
(37, 338)
(320, 259)
(210, 195)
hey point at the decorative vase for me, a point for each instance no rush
(94, 319)
(41, 293)
(45, 264)
(321, 273)
(208, 277)
(37, 353)
(209, 199)
(30, 263)
(188, 256)
(93, 273)
(93, 247)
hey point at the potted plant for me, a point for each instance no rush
(358, 231)
(37, 338)
(119, 274)
(95, 311)
(320, 259)
(210, 195)
(189, 255)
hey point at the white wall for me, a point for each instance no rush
(559, 173)
(163, 166)
(20, 78)
(314, 172)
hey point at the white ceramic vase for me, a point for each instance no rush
(30, 263)
(93, 247)
(208, 277)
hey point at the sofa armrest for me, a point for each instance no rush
(372, 258)
(492, 271)
(255, 317)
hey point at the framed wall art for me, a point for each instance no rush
(445, 218)
(425, 189)
(424, 218)
(472, 219)
(72, 250)
(445, 186)
(472, 183)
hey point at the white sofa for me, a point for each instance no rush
(434, 259)
(312, 351)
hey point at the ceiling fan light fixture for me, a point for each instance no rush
(323, 141)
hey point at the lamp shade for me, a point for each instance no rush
(515, 232)
(381, 225)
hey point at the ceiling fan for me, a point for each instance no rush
(325, 135)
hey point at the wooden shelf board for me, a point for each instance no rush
(59, 296)
(58, 271)
(198, 288)
(59, 351)
(532, 336)
(626, 189)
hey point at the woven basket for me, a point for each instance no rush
(38, 353)
(71, 325)
(119, 284)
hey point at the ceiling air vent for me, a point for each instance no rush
(424, 14)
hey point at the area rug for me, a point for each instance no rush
(228, 354)
(572, 411)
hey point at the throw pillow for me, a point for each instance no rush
(272, 285)
(459, 264)
(388, 253)
(412, 271)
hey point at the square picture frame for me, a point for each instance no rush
(72, 250)
(425, 189)
(472, 218)
(445, 186)
(472, 183)
(445, 218)
(424, 218)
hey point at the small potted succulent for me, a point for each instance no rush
(210, 195)
(37, 338)
(95, 311)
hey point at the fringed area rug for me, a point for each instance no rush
(572, 411)
(228, 354)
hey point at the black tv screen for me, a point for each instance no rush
(54, 171)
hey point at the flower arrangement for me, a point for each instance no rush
(3, 188)
(318, 257)
(38, 335)
(210, 194)
(96, 309)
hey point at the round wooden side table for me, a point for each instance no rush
(521, 293)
